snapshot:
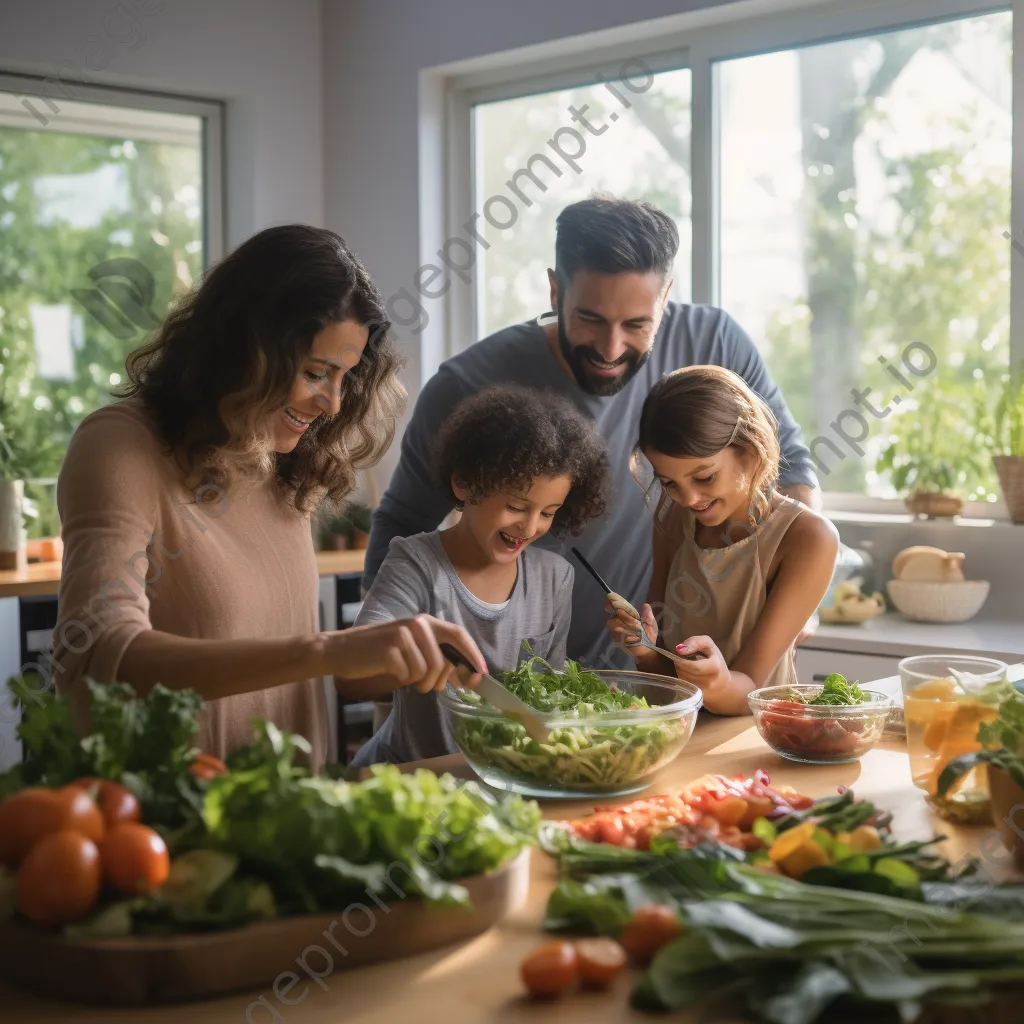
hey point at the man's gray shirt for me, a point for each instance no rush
(618, 544)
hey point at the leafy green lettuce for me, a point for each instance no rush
(597, 757)
(145, 742)
(321, 842)
(837, 691)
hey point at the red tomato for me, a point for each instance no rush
(600, 961)
(59, 880)
(551, 970)
(135, 859)
(650, 928)
(207, 767)
(117, 803)
(25, 818)
(612, 831)
(32, 814)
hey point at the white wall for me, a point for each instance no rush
(373, 53)
(262, 57)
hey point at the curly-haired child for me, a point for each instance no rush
(517, 464)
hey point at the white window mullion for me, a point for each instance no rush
(1017, 194)
(703, 179)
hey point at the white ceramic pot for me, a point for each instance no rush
(12, 524)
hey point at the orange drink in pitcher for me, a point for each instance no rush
(945, 699)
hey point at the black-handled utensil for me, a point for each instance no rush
(593, 572)
(617, 599)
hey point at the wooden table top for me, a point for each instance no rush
(479, 980)
(43, 578)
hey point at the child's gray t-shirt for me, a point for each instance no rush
(417, 578)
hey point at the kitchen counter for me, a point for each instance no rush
(43, 578)
(478, 981)
(895, 635)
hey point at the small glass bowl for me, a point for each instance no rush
(818, 734)
(611, 754)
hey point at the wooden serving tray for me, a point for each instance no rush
(136, 971)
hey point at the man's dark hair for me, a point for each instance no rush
(507, 435)
(614, 236)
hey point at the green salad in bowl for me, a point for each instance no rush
(610, 731)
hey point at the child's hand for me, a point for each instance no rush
(709, 672)
(621, 624)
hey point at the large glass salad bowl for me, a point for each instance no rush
(610, 731)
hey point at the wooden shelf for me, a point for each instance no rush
(43, 578)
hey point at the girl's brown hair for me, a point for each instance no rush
(699, 411)
(227, 356)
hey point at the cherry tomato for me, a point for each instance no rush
(206, 767)
(117, 803)
(613, 830)
(650, 928)
(551, 970)
(31, 815)
(600, 960)
(135, 859)
(59, 880)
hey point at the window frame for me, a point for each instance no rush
(212, 146)
(698, 40)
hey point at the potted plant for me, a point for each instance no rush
(1003, 755)
(359, 516)
(931, 456)
(336, 534)
(1000, 430)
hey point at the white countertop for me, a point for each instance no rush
(893, 634)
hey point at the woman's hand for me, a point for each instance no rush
(405, 650)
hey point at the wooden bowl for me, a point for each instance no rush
(136, 971)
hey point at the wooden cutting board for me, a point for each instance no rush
(136, 971)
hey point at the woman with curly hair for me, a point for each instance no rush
(516, 463)
(185, 507)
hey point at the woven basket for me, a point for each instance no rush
(938, 602)
(933, 505)
(1011, 479)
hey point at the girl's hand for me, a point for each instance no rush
(621, 624)
(710, 672)
(406, 650)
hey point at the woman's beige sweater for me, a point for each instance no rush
(140, 552)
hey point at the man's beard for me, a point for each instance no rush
(603, 387)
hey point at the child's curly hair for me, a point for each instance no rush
(507, 435)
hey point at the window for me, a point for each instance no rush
(841, 176)
(865, 192)
(103, 223)
(642, 150)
